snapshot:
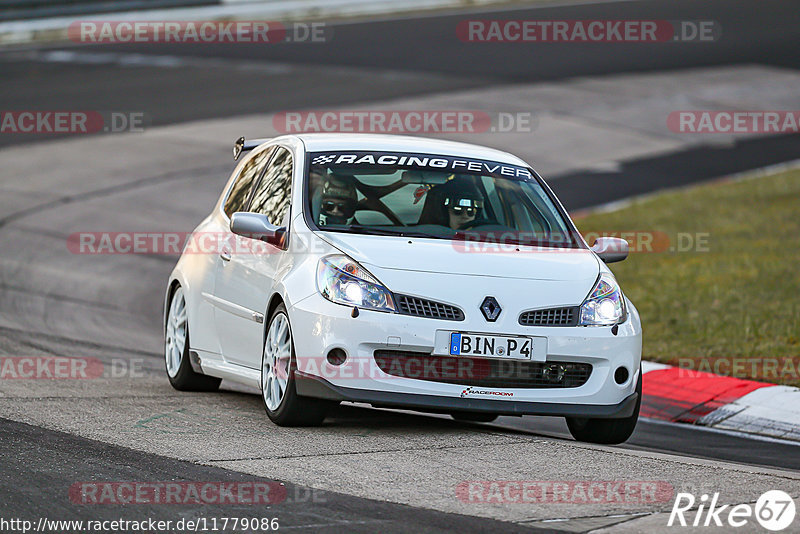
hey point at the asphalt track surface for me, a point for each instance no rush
(364, 62)
(373, 61)
(48, 463)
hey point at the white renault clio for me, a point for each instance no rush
(403, 272)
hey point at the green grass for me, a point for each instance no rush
(735, 308)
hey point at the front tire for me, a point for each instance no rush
(176, 349)
(278, 364)
(606, 431)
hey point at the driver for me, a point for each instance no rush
(338, 201)
(462, 206)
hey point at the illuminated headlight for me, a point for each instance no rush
(604, 306)
(343, 281)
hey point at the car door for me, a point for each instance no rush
(246, 276)
(237, 199)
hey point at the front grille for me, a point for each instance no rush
(485, 372)
(551, 317)
(427, 308)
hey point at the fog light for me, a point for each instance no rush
(621, 375)
(554, 372)
(336, 357)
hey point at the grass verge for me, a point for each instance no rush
(715, 275)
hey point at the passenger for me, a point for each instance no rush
(338, 201)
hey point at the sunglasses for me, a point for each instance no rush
(460, 210)
(344, 206)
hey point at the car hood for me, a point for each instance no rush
(443, 256)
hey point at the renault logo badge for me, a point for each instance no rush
(491, 309)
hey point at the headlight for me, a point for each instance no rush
(604, 306)
(343, 281)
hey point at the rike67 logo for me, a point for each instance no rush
(774, 510)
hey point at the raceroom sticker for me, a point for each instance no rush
(471, 390)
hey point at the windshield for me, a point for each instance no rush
(439, 197)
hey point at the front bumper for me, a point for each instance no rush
(313, 386)
(318, 326)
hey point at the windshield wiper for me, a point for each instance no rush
(372, 230)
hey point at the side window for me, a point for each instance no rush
(273, 192)
(240, 192)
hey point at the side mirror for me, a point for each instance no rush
(610, 249)
(257, 226)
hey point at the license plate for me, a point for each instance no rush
(488, 346)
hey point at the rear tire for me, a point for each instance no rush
(176, 349)
(474, 417)
(278, 365)
(606, 431)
